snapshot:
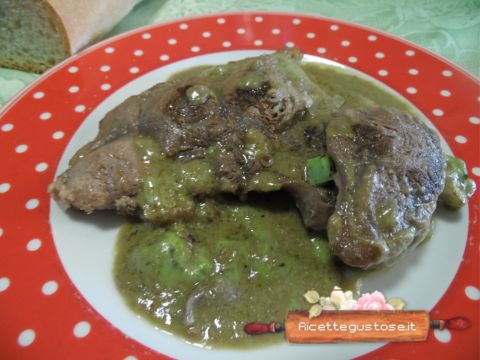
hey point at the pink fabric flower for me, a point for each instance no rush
(373, 301)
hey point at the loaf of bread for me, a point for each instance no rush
(36, 34)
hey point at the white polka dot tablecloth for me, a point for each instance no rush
(42, 313)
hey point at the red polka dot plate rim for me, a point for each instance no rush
(44, 311)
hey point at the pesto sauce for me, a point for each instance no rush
(357, 92)
(226, 262)
(234, 263)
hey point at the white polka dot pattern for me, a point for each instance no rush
(4, 284)
(4, 188)
(81, 329)
(45, 116)
(32, 204)
(41, 167)
(130, 357)
(472, 292)
(26, 338)
(34, 244)
(7, 127)
(474, 120)
(49, 288)
(444, 336)
(57, 135)
(21, 148)
(80, 108)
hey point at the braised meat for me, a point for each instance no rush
(230, 121)
(390, 173)
(106, 178)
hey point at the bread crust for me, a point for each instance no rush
(55, 17)
(84, 21)
(78, 23)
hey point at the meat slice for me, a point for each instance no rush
(187, 118)
(390, 173)
(315, 204)
(106, 178)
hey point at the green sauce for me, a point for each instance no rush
(233, 263)
(355, 91)
(218, 262)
